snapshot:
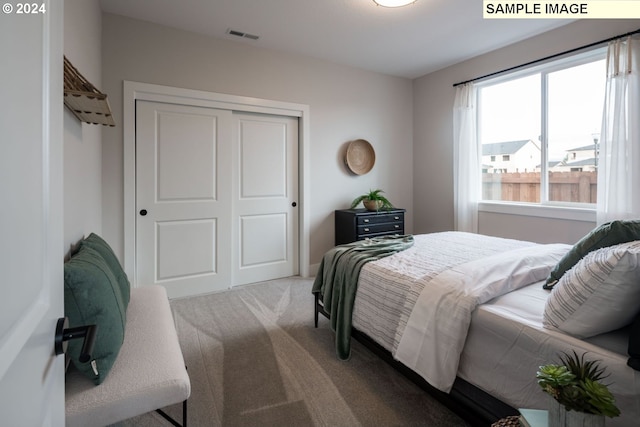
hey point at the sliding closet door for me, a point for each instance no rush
(183, 197)
(265, 192)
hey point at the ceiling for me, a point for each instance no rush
(409, 42)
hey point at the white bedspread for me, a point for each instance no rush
(433, 339)
(389, 288)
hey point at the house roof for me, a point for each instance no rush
(552, 164)
(508, 147)
(584, 148)
(584, 162)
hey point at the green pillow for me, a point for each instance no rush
(98, 244)
(92, 297)
(608, 234)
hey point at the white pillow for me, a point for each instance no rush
(599, 294)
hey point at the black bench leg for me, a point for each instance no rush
(171, 420)
(184, 414)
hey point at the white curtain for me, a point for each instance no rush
(466, 168)
(619, 158)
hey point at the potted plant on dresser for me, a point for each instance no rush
(372, 201)
(579, 398)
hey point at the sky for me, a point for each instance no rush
(510, 111)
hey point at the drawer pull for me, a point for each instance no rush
(365, 221)
(397, 226)
(396, 218)
(366, 230)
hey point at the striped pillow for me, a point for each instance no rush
(599, 294)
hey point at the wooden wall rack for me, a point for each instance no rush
(86, 102)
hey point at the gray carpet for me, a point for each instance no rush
(255, 359)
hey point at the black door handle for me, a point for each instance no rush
(143, 212)
(294, 204)
(63, 335)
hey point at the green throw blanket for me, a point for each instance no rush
(337, 280)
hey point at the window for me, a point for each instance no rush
(546, 122)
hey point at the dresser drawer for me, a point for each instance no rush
(380, 218)
(380, 228)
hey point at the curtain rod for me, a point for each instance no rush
(548, 57)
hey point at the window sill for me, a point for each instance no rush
(541, 211)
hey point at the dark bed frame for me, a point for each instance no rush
(475, 406)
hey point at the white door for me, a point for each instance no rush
(31, 254)
(183, 194)
(265, 197)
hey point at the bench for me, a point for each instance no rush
(149, 372)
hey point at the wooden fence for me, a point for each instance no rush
(577, 187)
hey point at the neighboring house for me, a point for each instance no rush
(552, 165)
(580, 159)
(510, 156)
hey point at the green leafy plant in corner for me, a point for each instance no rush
(373, 195)
(575, 383)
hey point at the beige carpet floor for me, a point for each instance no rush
(255, 359)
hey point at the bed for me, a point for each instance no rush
(461, 309)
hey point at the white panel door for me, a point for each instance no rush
(31, 252)
(183, 198)
(265, 197)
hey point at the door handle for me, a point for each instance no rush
(64, 334)
(143, 212)
(294, 204)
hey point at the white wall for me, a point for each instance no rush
(345, 104)
(82, 142)
(433, 134)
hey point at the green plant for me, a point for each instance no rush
(576, 384)
(373, 195)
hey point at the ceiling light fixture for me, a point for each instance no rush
(393, 3)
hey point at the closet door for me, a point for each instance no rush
(265, 201)
(183, 197)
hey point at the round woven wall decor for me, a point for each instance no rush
(360, 157)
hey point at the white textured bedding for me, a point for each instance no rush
(506, 341)
(388, 288)
(436, 331)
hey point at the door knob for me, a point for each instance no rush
(143, 212)
(294, 204)
(64, 334)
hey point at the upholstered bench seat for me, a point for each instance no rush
(149, 372)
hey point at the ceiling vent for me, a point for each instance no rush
(242, 34)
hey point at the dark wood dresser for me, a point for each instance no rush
(359, 224)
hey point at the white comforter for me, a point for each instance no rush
(389, 288)
(437, 326)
